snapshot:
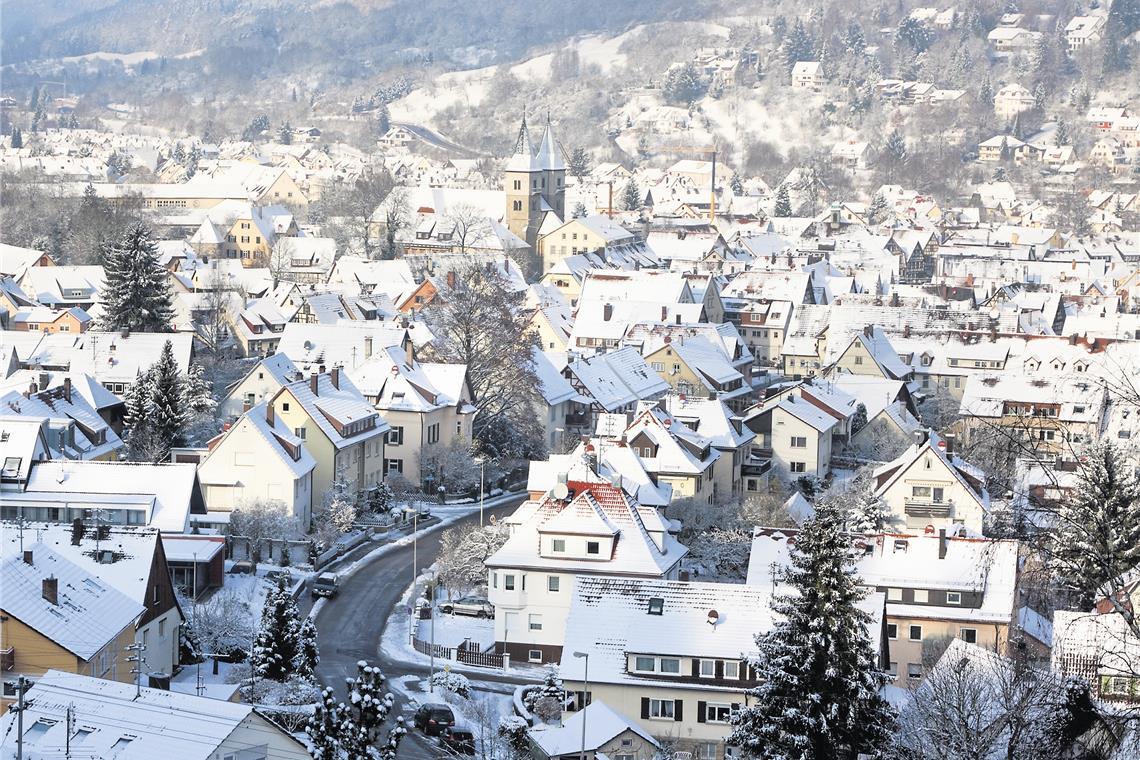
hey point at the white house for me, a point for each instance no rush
(594, 529)
(807, 75)
(259, 459)
(929, 487)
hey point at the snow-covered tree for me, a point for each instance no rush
(863, 511)
(819, 680)
(798, 46)
(223, 625)
(783, 201)
(323, 728)
(722, 552)
(547, 700)
(380, 499)
(17, 138)
(579, 163)
(364, 715)
(137, 400)
(275, 647)
(308, 655)
(463, 552)
(683, 84)
(895, 155)
(336, 516)
(580, 210)
(285, 134)
(1097, 539)
(480, 324)
(736, 184)
(262, 520)
(859, 419)
(136, 294)
(166, 418)
(877, 211)
(452, 467)
(631, 196)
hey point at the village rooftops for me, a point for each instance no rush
(63, 602)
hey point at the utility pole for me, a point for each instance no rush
(137, 670)
(69, 723)
(21, 686)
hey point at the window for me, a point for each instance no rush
(553, 582)
(433, 433)
(717, 713)
(893, 670)
(706, 751)
(285, 406)
(939, 494)
(708, 669)
(799, 442)
(38, 729)
(396, 436)
(858, 359)
(921, 596)
(892, 631)
(731, 669)
(645, 664)
(920, 492)
(509, 582)
(534, 622)
(916, 633)
(558, 544)
(914, 670)
(299, 432)
(534, 655)
(670, 665)
(656, 605)
(593, 547)
(494, 580)
(953, 597)
(968, 635)
(661, 709)
(797, 466)
(394, 465)
(658, 366)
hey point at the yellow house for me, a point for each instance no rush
(591, 234)
(57, 616)
(341, 430)
(870, 353)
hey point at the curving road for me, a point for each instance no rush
(351, 626)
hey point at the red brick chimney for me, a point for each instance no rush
(335, 377)
(313, 383)
(67, 389)
(51, 590)
(269, 416)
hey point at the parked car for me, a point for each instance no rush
(242, 567)
(433, 718)
(459, 739)
(468, 605)
(325, 584)
(273, 575)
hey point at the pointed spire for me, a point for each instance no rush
(549, 154)
(522, 158)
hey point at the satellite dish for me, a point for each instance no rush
(560, 491)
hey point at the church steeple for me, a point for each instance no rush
(522, 158)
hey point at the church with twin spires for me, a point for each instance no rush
(535, 185)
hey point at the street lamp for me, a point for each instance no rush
(482, 463)
(585, 690)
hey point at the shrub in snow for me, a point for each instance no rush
(453, 682)
(512, 729)
(547, 700)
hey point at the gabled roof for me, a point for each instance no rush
(618, 378)
(344, 404)
(89, 613)
(549, 156)
(597, 723)
(971, 478)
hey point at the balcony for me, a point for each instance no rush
(927, 508)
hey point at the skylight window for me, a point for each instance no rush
(656, 606)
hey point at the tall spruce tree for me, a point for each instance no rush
(818, 695)
(783, 201)
(631, 196)
(136, 421)
(1097, 539)
(275, 647)
(323, 728)
(167, 409)
(137, 288)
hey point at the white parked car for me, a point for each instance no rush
(468, 605)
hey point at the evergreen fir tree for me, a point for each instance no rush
(736, 184)
(198, 396)
(894, 154)
(798, 46)
(783, 201)
(285, 134)
(308, 655)
(167, 421)
(17, 138)
(1097, 540)
(137, 292)
(137, 419)
(1063, 134)
(579, 211)
(818, 695)
(178, 155)
(383, 119)
(368, 707)
(631, 196)
(877, 211)
(275, 647)
(579, 163)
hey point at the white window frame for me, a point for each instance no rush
(657, 709)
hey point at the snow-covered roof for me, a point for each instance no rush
(154, 724)
(88, 612)
(587, 730)
(618, 378)
(808, 413)
(605, 510)
(335, 404)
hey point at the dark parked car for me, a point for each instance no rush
(325, 585)
(433, 718)
(458, 739)
(242, 567)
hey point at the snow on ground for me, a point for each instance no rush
(480, 713)
(213, 686)
(453, 630)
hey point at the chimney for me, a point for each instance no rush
(246, 406)
(948, 438)
(607, 312)
(313, 383)
(941, 543)
(28, 557)
(664, 313)
(919, 437)
(869, 331)
(51, 590)
(409, 352)
(335, 376)
(67, 389)
(450, 279)
(42, 383)
(368, 347)
(1073, 339)
(906, 331)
